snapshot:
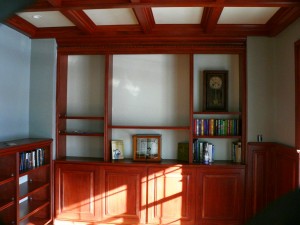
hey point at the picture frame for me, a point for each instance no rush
(117, 149)
(146, 148)
(215, 90)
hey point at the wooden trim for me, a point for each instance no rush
(108, 106)
(172, 46)
(297, 94)
(22, 26)
(145, 18)
(94, 4)
(282, 19)
(61, 99)
(210, 18)
(81, 20)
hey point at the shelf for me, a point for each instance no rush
(33, 170)
(217, 113)
(28, 188)
(151, 127)
(28, 208)
(36, 220)
(81, 117)
(4, 204)
(221, 136)
(6, 180)
(80, 133)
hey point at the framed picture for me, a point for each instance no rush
(215, 91)
(117, 149)
(146, 147)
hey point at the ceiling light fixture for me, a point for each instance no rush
(36, 16)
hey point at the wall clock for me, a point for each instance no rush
(215, 90)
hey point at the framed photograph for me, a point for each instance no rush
(146, 147)
(215, 92)
(117, 149)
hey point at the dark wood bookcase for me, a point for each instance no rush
(25, 191)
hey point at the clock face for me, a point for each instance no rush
(215, 82)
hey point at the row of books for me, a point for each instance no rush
(236, 151)
(32, 159)
(216, 127)
(203, 152)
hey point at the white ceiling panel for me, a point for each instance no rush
(46, 19)
(112, 16)
(246, 15)
(177, 15)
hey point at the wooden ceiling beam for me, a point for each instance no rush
(48, 5)
(210, 18)
(21, 25)
(282, 18)
(55, 3)
(159, 31)
(145, 18)
(81, 20)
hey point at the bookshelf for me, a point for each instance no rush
(220, 128)
(152, 98)
(144, 94)
(107, 97)
(81, 113)
(25, 185)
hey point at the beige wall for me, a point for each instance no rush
(271, 91)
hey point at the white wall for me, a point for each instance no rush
(271, 86)
(43, 89)
(14, 84)
(284, 84)
(260, 81)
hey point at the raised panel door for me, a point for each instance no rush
(123, 192)
(171, 194)
(77, 192)
(220, 196)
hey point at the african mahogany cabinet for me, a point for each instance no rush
(25, 181)
(117, 193)
(273, 170)
(105, 97)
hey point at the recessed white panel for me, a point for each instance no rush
(46, 19)
(246, 15)
(85, 89)
(151, 90)
(112, 16)
(177, 15)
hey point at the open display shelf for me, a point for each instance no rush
(25, 191)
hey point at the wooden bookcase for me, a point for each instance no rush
(233, 63)
(142, 94)
(109, 113)
(81, 106)
(25, 188)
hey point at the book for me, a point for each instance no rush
(236, 151)
(117, 149)
(203, 152)
(183, 151)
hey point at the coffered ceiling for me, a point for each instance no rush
(139, 20)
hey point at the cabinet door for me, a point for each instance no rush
(77, 192)
(171, 195)
(220, 196)
(123, 191)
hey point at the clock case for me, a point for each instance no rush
(215, 99)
